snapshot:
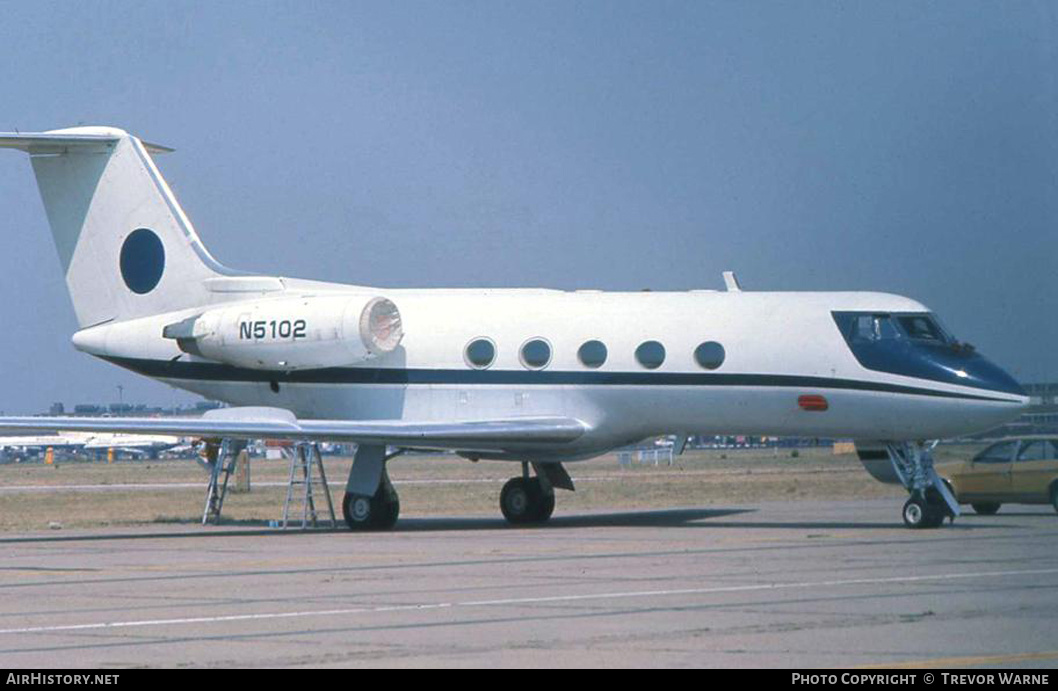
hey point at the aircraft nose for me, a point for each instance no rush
(1000, 399)
(981, 373)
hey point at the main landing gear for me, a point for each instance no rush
(377, 512)
(371, 502)
(931, 501)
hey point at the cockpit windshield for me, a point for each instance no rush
(914, 344)
(923, 327)
(859, 327)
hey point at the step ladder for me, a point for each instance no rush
(305, 456)
(222, 458)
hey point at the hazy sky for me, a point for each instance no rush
(908, 147)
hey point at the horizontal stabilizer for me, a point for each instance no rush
(91, 139)
(279, 424)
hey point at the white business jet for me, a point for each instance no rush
(538, 377)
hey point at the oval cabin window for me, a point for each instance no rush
(480, 353)
(536, 353)
(650, 354)
(709, 355)
(592, 354)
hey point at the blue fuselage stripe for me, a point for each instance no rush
(208, 371)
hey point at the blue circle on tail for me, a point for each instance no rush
(142, 260)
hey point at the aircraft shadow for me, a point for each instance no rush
(664, 518)
(671, 518)
(261, 528)
(1023, 513)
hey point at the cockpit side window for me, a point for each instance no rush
(870, 327)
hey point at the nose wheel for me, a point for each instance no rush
(924, 514)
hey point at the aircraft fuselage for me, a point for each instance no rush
(780, 354)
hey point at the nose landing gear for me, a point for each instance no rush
(928, 513)
(931, 501)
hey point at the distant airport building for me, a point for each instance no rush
(1041, 417)
(135, 409)
(1042, 414)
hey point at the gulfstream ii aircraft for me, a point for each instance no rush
(538, 377)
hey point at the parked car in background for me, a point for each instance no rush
(1021, 470)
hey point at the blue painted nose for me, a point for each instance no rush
(951, 363)
(914, 345)
(973, 369)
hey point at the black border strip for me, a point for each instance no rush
(209, 371)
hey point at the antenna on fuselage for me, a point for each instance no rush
(731, 282)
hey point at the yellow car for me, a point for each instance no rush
(1019, 471)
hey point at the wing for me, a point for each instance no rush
(499, 435)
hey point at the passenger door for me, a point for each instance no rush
(988, 477)
(1034, 469)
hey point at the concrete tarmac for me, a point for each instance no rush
(799, 584)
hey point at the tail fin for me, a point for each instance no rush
(124, 243)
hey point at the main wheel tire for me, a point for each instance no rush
(1054, 497)
(387, 512)
(359, 511)
(517, 501)
(546, 508)
(371, 513)
(988, 508)
(524, 501)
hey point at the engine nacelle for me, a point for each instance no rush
(293, 333)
